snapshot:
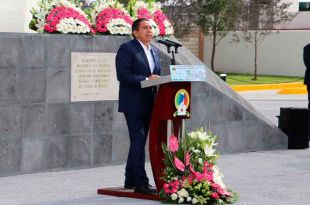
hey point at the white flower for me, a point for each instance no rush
(194, 201)
(181, 200)
(217, 176)
(197, 151)
(209, 151)
(200, 161)
(183, 193)
(70, 25)
(174, 197)
(189, 199)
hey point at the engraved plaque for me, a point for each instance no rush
(93, 77)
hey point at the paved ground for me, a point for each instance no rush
(280, 177)
(269, 102)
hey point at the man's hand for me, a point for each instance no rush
(152, 77)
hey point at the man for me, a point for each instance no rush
(137, 60)
(307, 73)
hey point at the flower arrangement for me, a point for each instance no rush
(143, 10)
(59, 16)
(191, 174)
(101, 16)
(113, 21)
(165, 27)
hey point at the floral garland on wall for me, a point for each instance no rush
(191, 175)
(108, 17)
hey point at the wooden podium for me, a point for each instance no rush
(166, 120)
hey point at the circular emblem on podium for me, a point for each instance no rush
(181, 101)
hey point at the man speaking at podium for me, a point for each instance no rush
(137, 60)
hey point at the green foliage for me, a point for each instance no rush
(218, 15)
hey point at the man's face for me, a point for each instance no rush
(144, 32)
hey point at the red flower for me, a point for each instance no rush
(215, 195)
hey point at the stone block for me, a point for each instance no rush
(80, 150)
(10, 154)
(81, 117)
(34, 155)
(58, 152)
(58, 86)
(120, 143)
(34, 86)
(9, 85)
(33, 120)
(104, 116)
(59, 51)
(82, 44)
(12, 55)
(58, 119)
(35, 49)
(10, 120)
(108, 44)
(102, 146)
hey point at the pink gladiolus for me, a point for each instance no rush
(179, 164)
(187, 159)
(173, 144)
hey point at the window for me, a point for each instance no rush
(304, 6)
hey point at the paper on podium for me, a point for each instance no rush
(157, 81)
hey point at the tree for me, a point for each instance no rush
(216, 18)
(258, 18)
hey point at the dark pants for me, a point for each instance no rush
(308, 88)
(138, 126)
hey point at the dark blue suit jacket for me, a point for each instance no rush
(307, 64)
(132, 67)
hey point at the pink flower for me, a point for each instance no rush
(104, 17)
(179, 164)
(187, 159)
(215, 195)
(173, 144)
(60, 12)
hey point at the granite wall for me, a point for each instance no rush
(40, 129)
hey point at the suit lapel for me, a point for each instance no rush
(141, 52)
(156, 61)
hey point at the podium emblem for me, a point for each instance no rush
(181, 101)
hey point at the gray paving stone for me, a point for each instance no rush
(10, 153)
(80, 147)
(58, 116)
(9, 81)
(58, 86)
(81, 115)
(34, 47)
(102, 148)
(10, 120)
(34, 155)
(12, 53)
(33, 86)
(33, 120)
(58, 152)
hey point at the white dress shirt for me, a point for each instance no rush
(149, 56)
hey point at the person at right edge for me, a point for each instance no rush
(307, 73)
(137, 60)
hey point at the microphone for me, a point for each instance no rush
(165, 42)
(176, 44)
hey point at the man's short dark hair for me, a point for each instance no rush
(136, 24)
